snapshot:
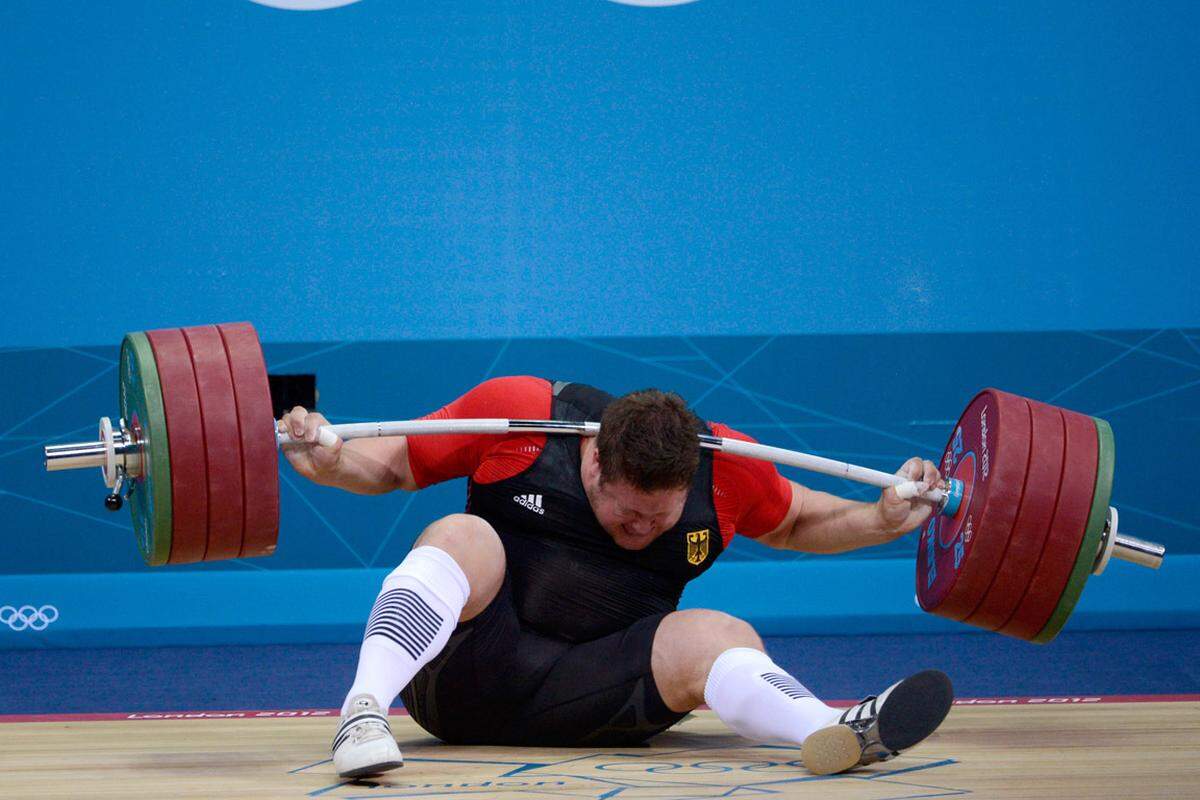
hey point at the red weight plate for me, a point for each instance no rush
(223, 445)
(256, 427)
(959, 555)
(1032, 525)
(1066, 529)
(185, 435)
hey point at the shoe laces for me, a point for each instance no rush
(371, 726)
(873, 750)
(368, 730)
(859, 721)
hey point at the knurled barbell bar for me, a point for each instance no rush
(1022, 513)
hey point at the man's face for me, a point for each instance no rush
(633, 518)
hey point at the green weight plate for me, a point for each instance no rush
(1091, 537)
(142, 410)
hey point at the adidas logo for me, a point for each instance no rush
(531, 501)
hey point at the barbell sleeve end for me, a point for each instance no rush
(1139, 551)
(1114, 544)
(73, 455)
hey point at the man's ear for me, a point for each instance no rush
(593, 461)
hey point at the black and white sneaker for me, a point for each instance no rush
(364, 744)
(881, 727)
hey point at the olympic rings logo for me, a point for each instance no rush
(28, 617)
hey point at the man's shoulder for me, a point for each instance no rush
(516, 383)
(511, 396)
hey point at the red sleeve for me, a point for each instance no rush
(750, 495)
(486, 457)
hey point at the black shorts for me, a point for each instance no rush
(499, 682)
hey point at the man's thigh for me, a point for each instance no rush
(471, 691)
(497, 682)
(599, 693)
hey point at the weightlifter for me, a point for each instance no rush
(546, 614)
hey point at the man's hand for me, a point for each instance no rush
(317, 462)
(901, 516)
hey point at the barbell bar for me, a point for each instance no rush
(117, 454)
(945, 497)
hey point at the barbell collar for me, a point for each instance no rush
(84, 455)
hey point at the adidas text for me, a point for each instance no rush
(531, 501)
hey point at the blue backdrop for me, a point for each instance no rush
(825, 223)
(407, 170)
(874, 400)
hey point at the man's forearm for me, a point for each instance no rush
(830, 524)
(364, 469)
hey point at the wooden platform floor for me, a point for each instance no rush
(1117, 750)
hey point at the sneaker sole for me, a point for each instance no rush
(829, 750)
(371, 769)
(914, 709)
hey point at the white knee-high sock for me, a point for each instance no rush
(757, 699)
(412, 619)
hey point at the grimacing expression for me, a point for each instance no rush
(634, 518)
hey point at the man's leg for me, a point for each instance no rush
(453, 571)
(624, 688)
(707, 656)
(599, 693)
(703, 656)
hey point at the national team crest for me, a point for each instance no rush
(697, 547)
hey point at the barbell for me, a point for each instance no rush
(1022, 515)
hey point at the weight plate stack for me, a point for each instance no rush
(1066, 529)
(1088, 549)
(959, 555)
(1043, 478)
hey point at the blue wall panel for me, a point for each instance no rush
(331, 605)
(875, 400)
(827, 224)
(408, 170)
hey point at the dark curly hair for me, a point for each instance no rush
(648, 439)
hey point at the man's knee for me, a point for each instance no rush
(474, 544)
(685, 647)
(704, 632)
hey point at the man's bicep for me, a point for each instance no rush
(779, 538)
(761, 499)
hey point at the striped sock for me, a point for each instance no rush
(758, 700)
(410, 623)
